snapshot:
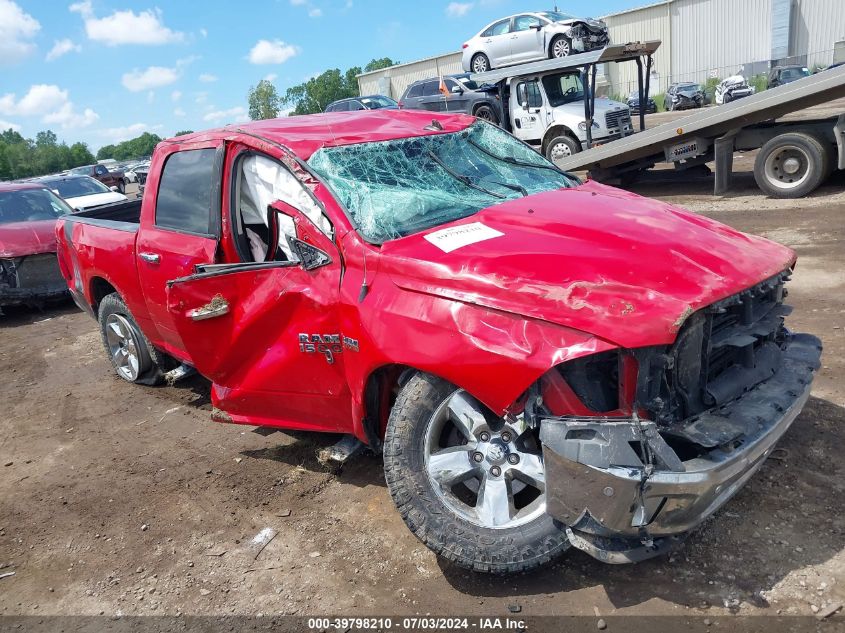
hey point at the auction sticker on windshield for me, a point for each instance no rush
(447, 240)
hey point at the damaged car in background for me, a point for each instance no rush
(733, 88)
(542, 362)
(29, 270)
(532, 36)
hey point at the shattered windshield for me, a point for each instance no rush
(398, 187)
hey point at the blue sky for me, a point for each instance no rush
(102, 71)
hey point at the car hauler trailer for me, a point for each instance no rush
(542, 101)
(795, 156)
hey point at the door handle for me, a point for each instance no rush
(152, 258)
(218, 306)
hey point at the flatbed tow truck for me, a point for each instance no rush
(795, 156)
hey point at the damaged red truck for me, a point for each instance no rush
(543, 363)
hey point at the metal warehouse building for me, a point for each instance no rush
(701, 39)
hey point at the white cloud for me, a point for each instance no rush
(315, 12)
(275, 52)
(458, 9)
(179, 112)
(49, 102)
(16, 29)
(201, 97)
(5, 125)
(152, 77)
(62, 47)
(126, 27)
(271, 77)
(203, 32)
(41, 99)
(176, 95)
(208, 78)
(298, 3)
(68, 117)
(124, 133)
(236, 114)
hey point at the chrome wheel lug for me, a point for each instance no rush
(485, 436)
(495, 471)
(478, 457)
(513, 458)
(506, 436)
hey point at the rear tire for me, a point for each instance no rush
(121, 186)
(128, 350)
(480, 63)
(791, 165)
(486, 113)
(445, 523)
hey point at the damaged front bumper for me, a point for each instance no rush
(626, 494)
(31, 280)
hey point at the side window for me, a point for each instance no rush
(525, 22)
(431, 88)
(354, 106)
(331, 107)
(99, 170)
(260, 182)
(528, 93)
(415, 90)
(184, 192)
(500, 28)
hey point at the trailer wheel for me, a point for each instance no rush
(468, 484)
(561, 147)
(791, 165)
(486, 113)
(127, 347)
(560, 47)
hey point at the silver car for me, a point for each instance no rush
(528, 37)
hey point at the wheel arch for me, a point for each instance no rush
(99, 288)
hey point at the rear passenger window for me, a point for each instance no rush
(415, 90)
(431, 88)
(184, 192)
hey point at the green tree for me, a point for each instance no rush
(183, 132)
(5, 165)
(378, 64)
(106, 151)
(318, 92)
(80, 155)
(264, 101)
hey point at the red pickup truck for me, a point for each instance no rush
(542, 362)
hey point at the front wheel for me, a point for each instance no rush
(562, 147)
(468, 484)
(560, 47)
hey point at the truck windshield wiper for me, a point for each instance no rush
(461, 178)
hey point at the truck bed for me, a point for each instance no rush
(123, 216)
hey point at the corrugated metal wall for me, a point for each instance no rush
(715, 37)
(648, 23)
(816, 27)
(393, 81)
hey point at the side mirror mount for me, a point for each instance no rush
(309, 243)
(537, 27)
(457, 90)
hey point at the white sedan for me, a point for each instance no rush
(81, 192)
(528, 37)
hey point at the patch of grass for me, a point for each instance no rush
(658, 101)
(759, 83)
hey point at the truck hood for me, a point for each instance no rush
(18, 239)
(95, 200)
(576, 108)
(624, 268)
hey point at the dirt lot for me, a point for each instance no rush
(128, 500)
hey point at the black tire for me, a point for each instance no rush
(807, 151)
(121, 186)
(480, 63)
(557, 46)
(569, 142)
(149, 359)
(487, 113)
(726, 98)
(501, 550)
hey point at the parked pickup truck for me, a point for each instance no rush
(110, 178)
(543, 363)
